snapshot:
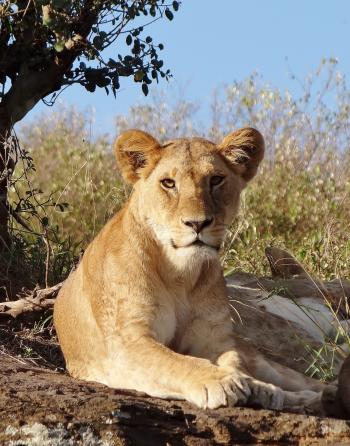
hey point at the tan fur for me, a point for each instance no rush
(147, 308)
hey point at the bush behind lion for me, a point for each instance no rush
(300, 199)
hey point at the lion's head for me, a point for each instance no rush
(188, 189)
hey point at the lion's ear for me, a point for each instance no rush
(137, 152)
(244, 150)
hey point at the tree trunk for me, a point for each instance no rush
(6, 169)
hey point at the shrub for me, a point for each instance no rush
(299, 199)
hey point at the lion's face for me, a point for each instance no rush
(188, 189)
(192, 195)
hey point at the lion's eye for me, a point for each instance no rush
(168, 183)
(216, 180)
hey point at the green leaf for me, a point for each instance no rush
(102, 81)
(168, 14)
(90, 87)
(136, 48)
(128, 39)
(59, 46)
(8, 25)
(98, 42)
(138, 76)
(112, 63)
(145, 89)
(176, 5)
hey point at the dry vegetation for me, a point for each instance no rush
(300, 199)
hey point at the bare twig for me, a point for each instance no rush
(38, 300)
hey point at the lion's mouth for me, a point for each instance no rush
(196, 242)
(199, 243)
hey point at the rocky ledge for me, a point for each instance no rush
(41, 407)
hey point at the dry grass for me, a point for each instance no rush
(299, 200)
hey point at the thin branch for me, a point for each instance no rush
(38, 300)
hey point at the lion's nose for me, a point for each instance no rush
(198, 225)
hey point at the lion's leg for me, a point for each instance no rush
(271, 384)
(299, 391)
(263, 393)
(150, 367)
(271, 381)
(217, 345)
(288, 379)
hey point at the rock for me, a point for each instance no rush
(41, 407)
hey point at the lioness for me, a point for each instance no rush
(147, 308)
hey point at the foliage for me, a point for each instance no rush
(37, 253)
(299, 200)
(83, 174)
(62, 42)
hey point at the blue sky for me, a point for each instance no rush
(210, 43)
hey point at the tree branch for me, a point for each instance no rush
(38, 300)
(31, 86)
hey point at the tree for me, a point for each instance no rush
(48, 45)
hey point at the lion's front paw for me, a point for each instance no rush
(266, 395)
(220, 387)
